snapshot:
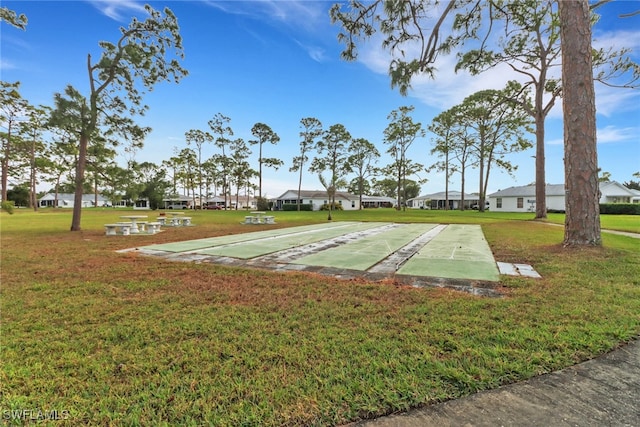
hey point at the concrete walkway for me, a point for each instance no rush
(601, 392)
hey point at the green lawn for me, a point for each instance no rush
(127, 340)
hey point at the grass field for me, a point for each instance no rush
(106, 338)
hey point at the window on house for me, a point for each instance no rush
(520, 202)
(499, 202)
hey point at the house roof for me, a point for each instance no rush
(442, 195)
(612, 188)
(529, 191)
(316, 194)
(71, 196)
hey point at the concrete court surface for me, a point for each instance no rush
(456, 255)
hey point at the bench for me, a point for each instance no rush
(269, 219)
(112, 229)
(162, 220)
(184, 221)
(153, 227)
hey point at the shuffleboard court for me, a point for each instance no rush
(455, 256)
(252, 248)
(193, 245)
(368, 251)
(460, 251)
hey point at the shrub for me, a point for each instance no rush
(294, 207)
(620, 208)
(7, 206)
(263, 204)
(336, 207)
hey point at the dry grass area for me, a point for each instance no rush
(127, 340)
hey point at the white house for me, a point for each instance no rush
(317, 198)
(614, 192)
(66, 200)
(377, 201)
(177, 202)
(439, 201)
(523, 198)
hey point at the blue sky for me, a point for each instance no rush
(276, 62)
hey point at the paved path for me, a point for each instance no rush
(601, 392)
(605, 230)
(623, 233)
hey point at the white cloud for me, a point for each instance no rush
(307, 14)
(450, 88)
(316, 53)
(615, 134)
(608, 134)
(7, 65)
(617, 39)
(610, 100)
(557, 141)
(118, 10)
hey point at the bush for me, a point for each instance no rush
(336, 207)
(620, 208)
(294, 207)
(7, 206)
(263, 204)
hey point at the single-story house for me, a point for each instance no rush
(614, 192)
(243, 202)
(439, 201)
(66, 200)
(142, 204)
(178, 202)
(523, 198)
(316, 198)
(377, 201)
(215, 201)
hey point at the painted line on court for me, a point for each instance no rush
(460, 251)
(253, 248)
(394, 261)
(287, 256)
(193, 245)
(366, 252)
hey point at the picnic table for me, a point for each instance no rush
(259, 217)
(134, 222)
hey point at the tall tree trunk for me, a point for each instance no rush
(446, 184)
(77, 198)
(33, 199)
(461, 207)
(5, 163)
(582, 223)
(260, 173)
(483, 194)
(398, 185)
(541, 184)
(299, 188)
(481, 165)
